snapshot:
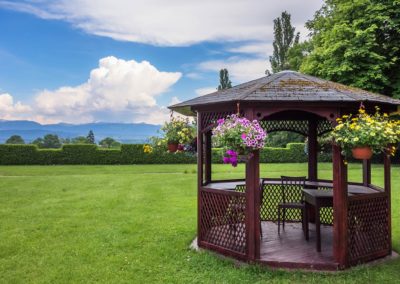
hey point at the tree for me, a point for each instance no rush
(297, 54)
(108, 142)
(79, 140)
(284, 38)
(48, 141)
(15, 139)
(38, 142)
(357, 43)
(90, 138)
(224, 82)
(51, 141)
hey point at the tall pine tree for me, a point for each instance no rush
(284, 38)
(90, 138)
(224, 82)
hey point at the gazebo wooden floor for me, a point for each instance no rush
(291, 250)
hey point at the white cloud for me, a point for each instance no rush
(240, 69)
(10, 110)
(117, 90)
(264, 49)
(205, 91)
(173, 22)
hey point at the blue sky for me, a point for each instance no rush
(83, 61)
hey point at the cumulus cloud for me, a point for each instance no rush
(10, 110)
(117, 90)
(173, 22)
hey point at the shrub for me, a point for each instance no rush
(133, 154)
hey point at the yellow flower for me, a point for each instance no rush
(356, 139)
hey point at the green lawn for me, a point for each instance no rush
(134, 224)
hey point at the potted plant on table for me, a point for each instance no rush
(239, 137)
(364, 134)
(177, 132)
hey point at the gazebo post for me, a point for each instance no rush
(366, 172)
(253, 201)
(388, 184)
(312, 150)
(340, 208)
(207, 157)
(199, 174)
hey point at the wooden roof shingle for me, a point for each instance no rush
(285, 86)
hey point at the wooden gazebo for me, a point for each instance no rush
(234, 219)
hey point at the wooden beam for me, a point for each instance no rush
(366, 172)
(340, 209)
(208, 157)
(312, 150)
(253, 201)
(199, 175)
(388, 187)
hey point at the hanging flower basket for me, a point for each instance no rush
(362, 153)
(239, 137)
(363, 134)
(173, 147)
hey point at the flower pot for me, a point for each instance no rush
(173, 147)
(362, 153)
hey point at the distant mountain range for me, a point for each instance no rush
(122, 132)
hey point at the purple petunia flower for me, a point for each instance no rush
(244, 136)
(226, 160)
(231, 153)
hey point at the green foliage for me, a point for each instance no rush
(293, 153)
(49, 141)
(79, 140)
(128, 154)
(357, 43)
(282, 138)
(224, 82)
(15, 139)
(109, 142)
(90, 138)
(284, 38)
(297, 53)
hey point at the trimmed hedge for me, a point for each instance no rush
(133, 154)
(86, 154)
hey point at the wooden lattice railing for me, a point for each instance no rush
(222, 221)
(272, 196)
(368, 227)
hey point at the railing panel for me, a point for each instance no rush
(368, 227)
(223, 221)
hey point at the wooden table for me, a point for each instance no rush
(318, 199)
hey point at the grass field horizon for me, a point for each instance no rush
(134, 223)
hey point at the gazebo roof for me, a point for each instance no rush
(285, 86)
